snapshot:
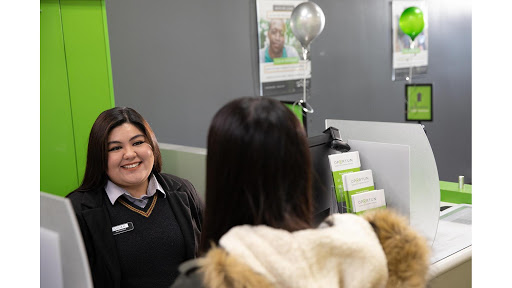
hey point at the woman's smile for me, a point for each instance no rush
(130, 166)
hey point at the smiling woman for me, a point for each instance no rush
(137, 223)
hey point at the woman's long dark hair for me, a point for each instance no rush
(96, 168)
(258, 169)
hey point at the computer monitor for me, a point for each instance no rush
(298, 111)
(324, 195)
(63, 261)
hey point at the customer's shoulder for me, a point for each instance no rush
(190, 275)
(219, 267)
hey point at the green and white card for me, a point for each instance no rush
(342, 164)
(355, 183)
(368, 201)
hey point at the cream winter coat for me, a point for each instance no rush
(376, 250)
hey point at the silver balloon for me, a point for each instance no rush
(307, 22)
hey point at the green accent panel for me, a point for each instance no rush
(107, 52)
(450, 193)
(58, 173)
(88, 63)
(76, 86)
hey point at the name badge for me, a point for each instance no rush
(122, 228)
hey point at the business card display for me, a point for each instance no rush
(342, 164)
(355, 183)
(367, 201)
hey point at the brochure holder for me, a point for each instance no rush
(411, 184)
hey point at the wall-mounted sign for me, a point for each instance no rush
(410, 50)
(282, 69)
(418, 102)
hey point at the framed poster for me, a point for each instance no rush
(418, 102)
(282, 69)
(410, 58)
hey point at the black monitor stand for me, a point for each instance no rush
(324, 195)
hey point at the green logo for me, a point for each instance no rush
(360, 179)
(367, 200)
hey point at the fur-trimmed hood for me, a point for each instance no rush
(376, 250)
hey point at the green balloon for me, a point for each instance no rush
(411, 22)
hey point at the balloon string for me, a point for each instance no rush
(304, 54)
(411, 46)
(305, 106)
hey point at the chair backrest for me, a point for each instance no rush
(63, 261)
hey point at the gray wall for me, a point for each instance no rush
(178, 62)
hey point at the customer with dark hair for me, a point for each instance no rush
(138, 224)
(257, 164)
(257, 227)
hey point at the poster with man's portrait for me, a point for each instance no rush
(282, 67)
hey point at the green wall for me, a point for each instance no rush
(76, 86)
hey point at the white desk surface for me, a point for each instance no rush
(453, 244)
